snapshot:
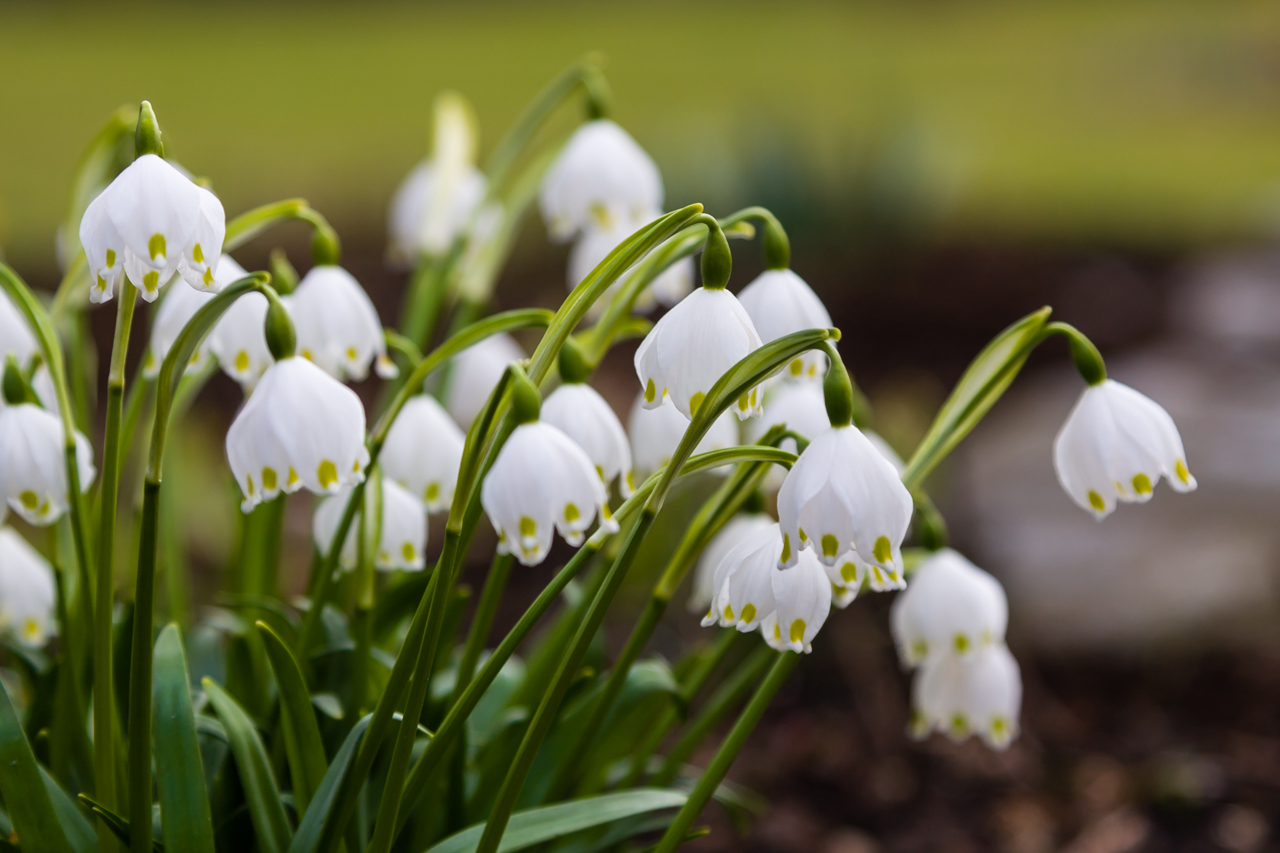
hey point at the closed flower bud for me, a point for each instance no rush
(423, 451)
(28, 593)
(843, 495)
(581, 413)
(300, 428)
(542, 482)
(237, 340)
(431, 208)
(402, 542)
(33, 474)
(691, 347)
(601, 174)
(951, 607)
(1117, 444)
(779, 302)
(594, 245)
(473, 374)
(656, 432)
(980, 694)
(736, 530)
(337, 326)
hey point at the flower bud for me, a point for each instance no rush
(526, 402)
(278, 328)
(146, 138)
(717, 259)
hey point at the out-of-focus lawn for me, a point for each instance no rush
(1146, 122)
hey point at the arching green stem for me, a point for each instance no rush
(1085, 355)
(326, 247)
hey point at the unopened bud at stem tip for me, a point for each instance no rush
(146, 138)
(282, 340)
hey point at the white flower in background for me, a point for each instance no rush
(338, 327)
(743, 581)
(178, 306)
(691, 347)
(842, 495)
(423, 451)
(151, 222)
(237, 339)
(578, 410)
(961, 696)
(402, 542)
(594, 245)
(16, 337)
(33, 474)
(655, 434)
(478, 268)
(951, 607)
(779, 302)
(474, 372)
(802, 595)
(601, 174)
(1117, 443)
(300, 428)
(849, 573)
(736, 530)
(431, 209)
(542, 482)
(28, 592)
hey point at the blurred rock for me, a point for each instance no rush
(847, 840)
(1241, 829)
(1118, 832)
(1024, 825)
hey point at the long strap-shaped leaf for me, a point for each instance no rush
(184, 801)
(270, 823)
(118, 825)
(34, 818)
(79, 831)
(316, 819)
(303, 746)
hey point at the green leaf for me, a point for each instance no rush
(35, 820)
(314, 821)
(184, 800)
(546, 823)
(649, 688)
(302, 742)
(266, 810)
(118, 825)
(79, 831)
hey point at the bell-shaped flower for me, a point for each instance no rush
(578, 410)
(691, 347)
(744, 581)
(28, 592)
(961, 696)
(338, 327)
(541, 482)
(798, 405)
(843, 495)
(594, 245)
(1116, 444)
(802, 596)
(301, 427)
(423, 451)
(656, 432)
(179, 305)
(600, 175)
(16, 337)
(237, 339)
(779, 302)
(431, 208)
(474, 372)
(402, 542)
(33, 473)
(735, 530)
(951, 607)
(850, 573)
(151, 222)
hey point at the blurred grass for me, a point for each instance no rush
(1137, 122)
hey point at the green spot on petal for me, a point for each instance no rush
(650, 391)
(1096, 501)
(328, 474)
(695, 402)
(268, 479)
(1142, 484)
(156, 246)
(1181, 472)
(830, 546)
(883, 550)
(528, 527)
(748, 613)
(797, 631)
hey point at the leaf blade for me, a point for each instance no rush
(184, 800)
(303, 747)
(34, 818)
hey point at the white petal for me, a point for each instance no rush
(950, 607)
(581, 413)
(28, 593)
(655, 433)
(734, 532)
(803, 598)
(423, 451)
(338, 327)
(779, 302)
(473, 374)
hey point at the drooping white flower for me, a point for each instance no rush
(691, 347)
(300, 428)
(850, 573)
(1116, 444)
(179, 305)
(431, 208)
(596, 242)
(743, 581)
(33, 473)
(656, 432)
(843, 495)
(951, 607)
(735, 530)
(802, 595)
(338, 327)
(541, 482)
(423, 451)
(961, 696)
(780, 302)
(601, 174)
(16, 337)
(237, 339)
(151, 222)
(402, 542)
(581, 413)
(474, 372)
(28, 592)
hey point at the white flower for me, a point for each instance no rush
(338, 327)
(33, 473)
(601, 174)
(691, 347)
(1117, 443)
(802, 595)
(541, 482)
(402, 542)
(979, 694)
(28, 593)
(300, 428)
(474, 372)
(581, 413)
(736, 530)
(237, 339)
(148, 224)
(594, 245)
(432, 207)
(951, 607)
(423, 451)
(799, 405)
(179, 305)
(779, 302)
(744, 581)
(842, 495)
(655, 434)
(849, 573)
(16, 337)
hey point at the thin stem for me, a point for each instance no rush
(486, 609)
(140, 676)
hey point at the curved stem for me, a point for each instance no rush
(1087, 359)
